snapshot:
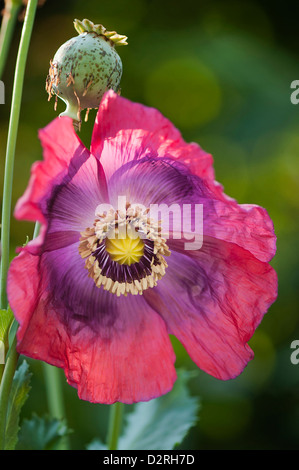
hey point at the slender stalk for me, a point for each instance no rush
(10, 16)
(4, 344)
(11, 143)
(1, 371)
(12, 356)
(115, 421)
(5, 387)
(54, 389)
(36, 229)
(55, 398)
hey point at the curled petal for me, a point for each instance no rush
(248, 226)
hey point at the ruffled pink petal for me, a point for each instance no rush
(212, 300)
(64, 154)
(248, 226)
(128, 358)
(126, 131)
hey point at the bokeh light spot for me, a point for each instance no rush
(185, 90)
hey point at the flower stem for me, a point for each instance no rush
(115, 421)
(12, 356)
(54, 390)
(9, 370)
(55, 398)
(11, 143)
(10, 16)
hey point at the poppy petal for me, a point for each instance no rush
(73, 203)
(125, 131)
(64, 154)
(123, 354)
(213, 300)
(153, 180)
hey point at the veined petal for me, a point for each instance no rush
(170, 184)
(64, 154)
(73, 203)
(111, 349)
(126, 131)
(152, 180)
(212, 300)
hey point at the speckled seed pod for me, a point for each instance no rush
(84, 68)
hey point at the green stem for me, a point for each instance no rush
(10, 16)
(55, 398)
(5, 343)
(115, 421)
(1, 371)
(12, 356)
(11, 143)
(10, 367)
(36, 229)
(54, 391)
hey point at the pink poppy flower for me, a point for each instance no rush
(75, 291)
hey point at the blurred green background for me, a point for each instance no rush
(221, 71)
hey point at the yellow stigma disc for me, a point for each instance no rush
(125, 250)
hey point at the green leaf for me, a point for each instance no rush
(6, 317)
(161, 424)
(96, 444)
(12, 332)
(18, 395)
(42, 433)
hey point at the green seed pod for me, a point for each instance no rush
(84, 68)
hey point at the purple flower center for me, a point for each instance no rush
(124, 251)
